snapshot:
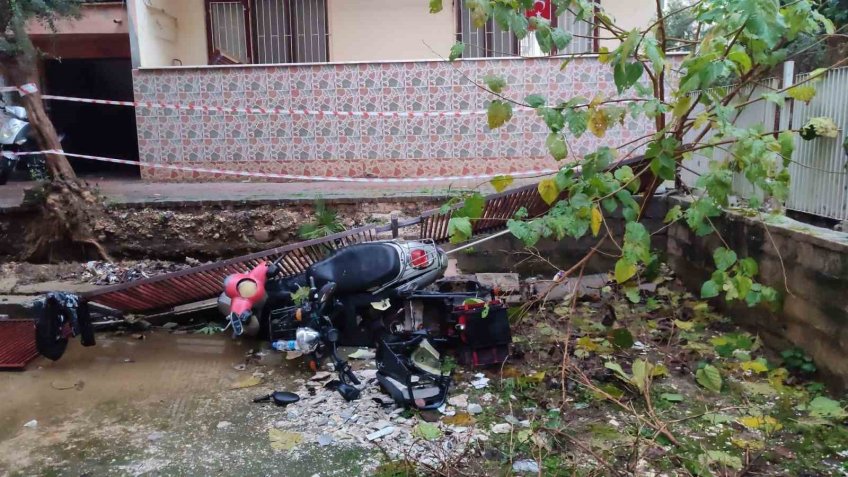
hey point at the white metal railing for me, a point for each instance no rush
(819, 168)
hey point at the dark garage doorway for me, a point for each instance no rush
(94, 129)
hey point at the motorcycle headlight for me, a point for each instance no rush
(247, 288)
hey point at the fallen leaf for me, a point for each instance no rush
(765, 423)
(427, 431)
(672, 397)
(461, 419)
(284, 440)
(247, 382)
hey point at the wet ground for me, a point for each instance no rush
(158, 406)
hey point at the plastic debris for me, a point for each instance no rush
(362, 353)
(381, 433)
(480, 381)
(31, 424)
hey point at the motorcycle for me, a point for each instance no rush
(17, 135)
(371, 294)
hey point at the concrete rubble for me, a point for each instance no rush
(322, 416)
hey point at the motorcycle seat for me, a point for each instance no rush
(358, 268)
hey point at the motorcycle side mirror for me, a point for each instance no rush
(327, 292)
(273, 270)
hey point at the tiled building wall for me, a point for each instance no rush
(361, 147)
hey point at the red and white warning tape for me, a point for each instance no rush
(271, 175)
(30, 88)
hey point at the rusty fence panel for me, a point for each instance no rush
(206, 281)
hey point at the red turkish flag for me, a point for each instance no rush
(541, 9)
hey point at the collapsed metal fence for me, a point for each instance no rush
(206, 281)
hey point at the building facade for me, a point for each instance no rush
(349, 55)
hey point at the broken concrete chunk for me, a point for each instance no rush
(525, 466)
(224, 425)
(380, 434)
(460, 400)
(502, 428)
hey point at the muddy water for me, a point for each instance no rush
(144, 407)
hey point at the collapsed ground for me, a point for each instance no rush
(597, 385)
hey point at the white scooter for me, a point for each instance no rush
(16, 135)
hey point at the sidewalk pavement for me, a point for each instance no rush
(129, 192)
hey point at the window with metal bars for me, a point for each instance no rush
(492, 41)
(267, 31)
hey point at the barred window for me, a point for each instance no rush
(267, 31)
(492, 41)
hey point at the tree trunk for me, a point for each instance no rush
(20, 71)
(68, 209)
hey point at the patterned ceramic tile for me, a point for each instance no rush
(381, 146)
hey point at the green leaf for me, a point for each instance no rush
(626, 75)
(681, 106)
(535, 100)
(427, 431)
(556, 146)
(723, 459)
(748, 266)
(473, 206)
(642, 372)
(561, 38)
(578, 121)
(741, 59)
(724, 258)
(633, 294)
(495, 83)
(548, 190)
(616, 368)
(501, 182)
(673, 214)
(709, 377)
(654, 54)
(456, 51)
(621, 338)
(709, 289)
(624, 270)
(499, 113)
(435, 6)
(827, 408)
(804, 92)
(671, 397)
(459, 229)
(776, 98)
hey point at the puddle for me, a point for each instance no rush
(147, 407)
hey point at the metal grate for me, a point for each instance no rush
(291, 31)
(227, 29)
(492, 41)
(17, 343)
(206, 281)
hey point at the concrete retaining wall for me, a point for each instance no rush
(814, 312)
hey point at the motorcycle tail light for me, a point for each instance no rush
(247, 288)
(418, 258)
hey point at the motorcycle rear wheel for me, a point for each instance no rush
(50, 340)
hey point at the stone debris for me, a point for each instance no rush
(480, 381)
(329, 420)
(502, 428)
(526, 466)
(108, 273)
(474, 408)
(31, 424)
(224, 425)
(460, 400)
(381, 433)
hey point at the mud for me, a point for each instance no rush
(207, 231)
(151, 407)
